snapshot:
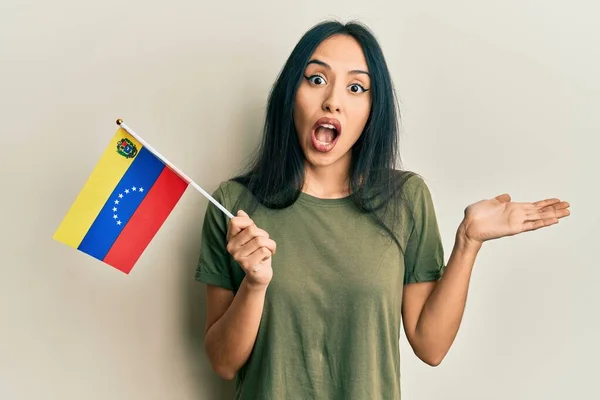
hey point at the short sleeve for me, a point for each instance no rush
(214, 266)
(424, 254)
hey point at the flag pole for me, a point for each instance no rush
(174, 168)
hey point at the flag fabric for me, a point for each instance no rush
(123, 204)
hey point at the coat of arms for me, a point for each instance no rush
(126, 148)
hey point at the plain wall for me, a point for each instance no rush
(495, 97)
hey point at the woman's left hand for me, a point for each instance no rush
(499, 217)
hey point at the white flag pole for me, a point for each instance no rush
(174, 168)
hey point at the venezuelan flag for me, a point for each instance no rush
(125, 201)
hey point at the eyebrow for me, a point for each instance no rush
(324, 64)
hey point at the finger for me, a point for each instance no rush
(247, 235)
(549, 214)
(546, 202)
(505, 197)
(255, 244)
(557, 206)
(556, 213)
(237, 224)
(537, 224)
(271, 245)
(545, 205)
(258, 257)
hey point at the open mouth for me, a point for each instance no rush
(325, 134)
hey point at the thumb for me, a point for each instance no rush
(242, 213)
(505, 197)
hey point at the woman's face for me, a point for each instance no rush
(333, 101)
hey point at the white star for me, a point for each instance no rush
(126, 191)
(120, 195)
(114, 209)
(141, 189)
(134, 188)
(115, 216)
(118, 222)
(116, 201)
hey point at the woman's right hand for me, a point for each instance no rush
(252, 248)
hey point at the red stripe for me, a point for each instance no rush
(146, 221)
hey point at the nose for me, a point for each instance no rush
(332, 102)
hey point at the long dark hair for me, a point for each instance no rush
(276, 175)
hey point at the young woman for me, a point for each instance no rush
(332, 246)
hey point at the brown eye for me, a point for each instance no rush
(356, 88)
(315, 79)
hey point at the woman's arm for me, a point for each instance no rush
(231, 326)
(232, 322)
(432, 311)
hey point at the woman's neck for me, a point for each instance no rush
(329, 182)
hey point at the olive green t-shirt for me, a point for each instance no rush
(331, 322)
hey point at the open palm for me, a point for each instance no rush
(498, 217)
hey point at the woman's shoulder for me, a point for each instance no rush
(231, 187)
(409, 183)
(230, 191)
(233, 195)
(412, 191)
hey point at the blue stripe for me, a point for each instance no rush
(122, 203)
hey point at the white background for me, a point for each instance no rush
(495, 97)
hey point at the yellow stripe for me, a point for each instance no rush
(102, 181)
